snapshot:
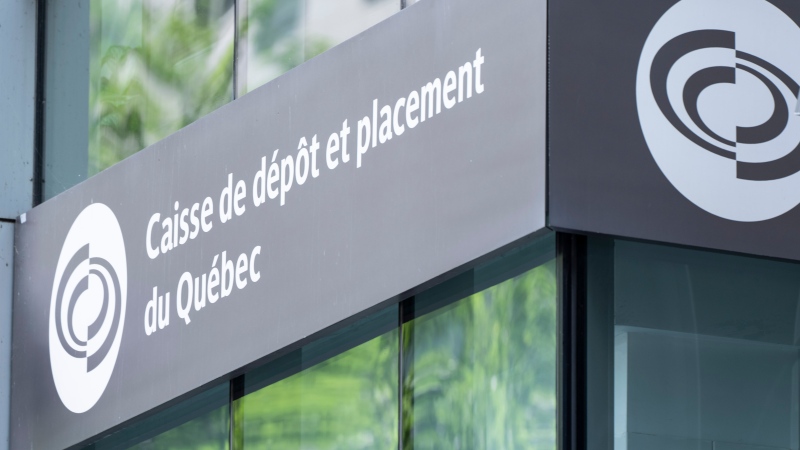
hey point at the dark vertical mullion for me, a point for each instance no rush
(400, 377)
(240, 42)
(39, 113)
(571, 266)
(235, 432)
(236, 385)
(405, 391)
(235, 62)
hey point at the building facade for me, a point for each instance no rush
(374, 224)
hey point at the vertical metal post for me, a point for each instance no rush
(240, 42)
(38, 121)
(405, 410)
(571, 271)
(400, 375)
(235, 435)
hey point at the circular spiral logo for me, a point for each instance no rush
(87, 308)
(715, 90)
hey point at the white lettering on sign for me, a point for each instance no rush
(275, 177)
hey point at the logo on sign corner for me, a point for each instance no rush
(87, 308)
(716, 88)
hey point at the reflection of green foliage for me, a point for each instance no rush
(173, 69)
(280, 39)
(276, 19)
(347, 402)
(155, 69)
(272, 29)
(481, 373)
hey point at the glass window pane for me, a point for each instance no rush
(271, 41)
(198, 423)
(122, 75)
(329, 23)
(277, 35)
(347, 401)
(207, 432)
(66, 112)
(480, 373)
(705, 349)
(155, 67)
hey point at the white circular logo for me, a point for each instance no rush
(87, 308)
(716, 91)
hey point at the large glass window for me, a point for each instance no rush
(347, 401)
(201, 423)
(480, 373)
(277, 35)
(123, 74)
(467, 364)
(702, 349)
(155, 67)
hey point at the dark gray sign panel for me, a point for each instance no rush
(675, 121)
(401, 154)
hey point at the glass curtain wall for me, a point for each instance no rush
(480, 373)
(467, 364)
(155, 66)
(124, 74)
(691, 349)
(202, 423)
(278, 35)
(326, 395)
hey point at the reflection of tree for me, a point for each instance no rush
(480, 374)
(347, 402)
(152, 76)
(175, 64)
(482, 371)
(278, 39)
(159, 65)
